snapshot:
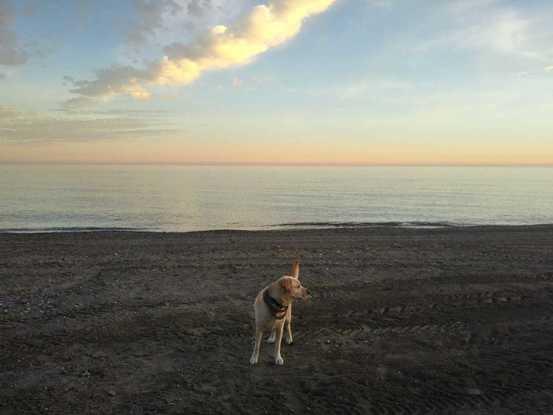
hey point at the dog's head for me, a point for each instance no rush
(293, 288)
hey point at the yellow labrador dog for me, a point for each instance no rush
(273, 310)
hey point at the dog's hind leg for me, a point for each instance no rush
(255, 354)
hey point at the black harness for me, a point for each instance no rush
(277, 310)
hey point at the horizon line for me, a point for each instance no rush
(275, 164)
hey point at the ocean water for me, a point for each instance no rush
(188, 198)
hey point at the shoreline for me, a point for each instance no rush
(300, 226)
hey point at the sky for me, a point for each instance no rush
(357, 82)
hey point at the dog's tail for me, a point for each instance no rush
(296, 269)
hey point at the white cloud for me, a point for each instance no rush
(113, 81)
(265, 27)
(507, 33)
(163, 21)
(489, 27)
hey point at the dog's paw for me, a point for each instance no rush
(253, 360)
(289, 341)
(271, 339)
(279, 361)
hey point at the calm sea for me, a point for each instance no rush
(185, 198)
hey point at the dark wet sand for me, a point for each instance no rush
(455, 320)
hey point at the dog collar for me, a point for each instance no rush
(277, 310)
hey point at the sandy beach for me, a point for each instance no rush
(447, 320)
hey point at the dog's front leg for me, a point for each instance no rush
(272, 336)
(287, 327)
(288, 323)
(257, 346)
(279, 330)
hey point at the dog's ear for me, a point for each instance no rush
(287, 284)
(296, 269)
